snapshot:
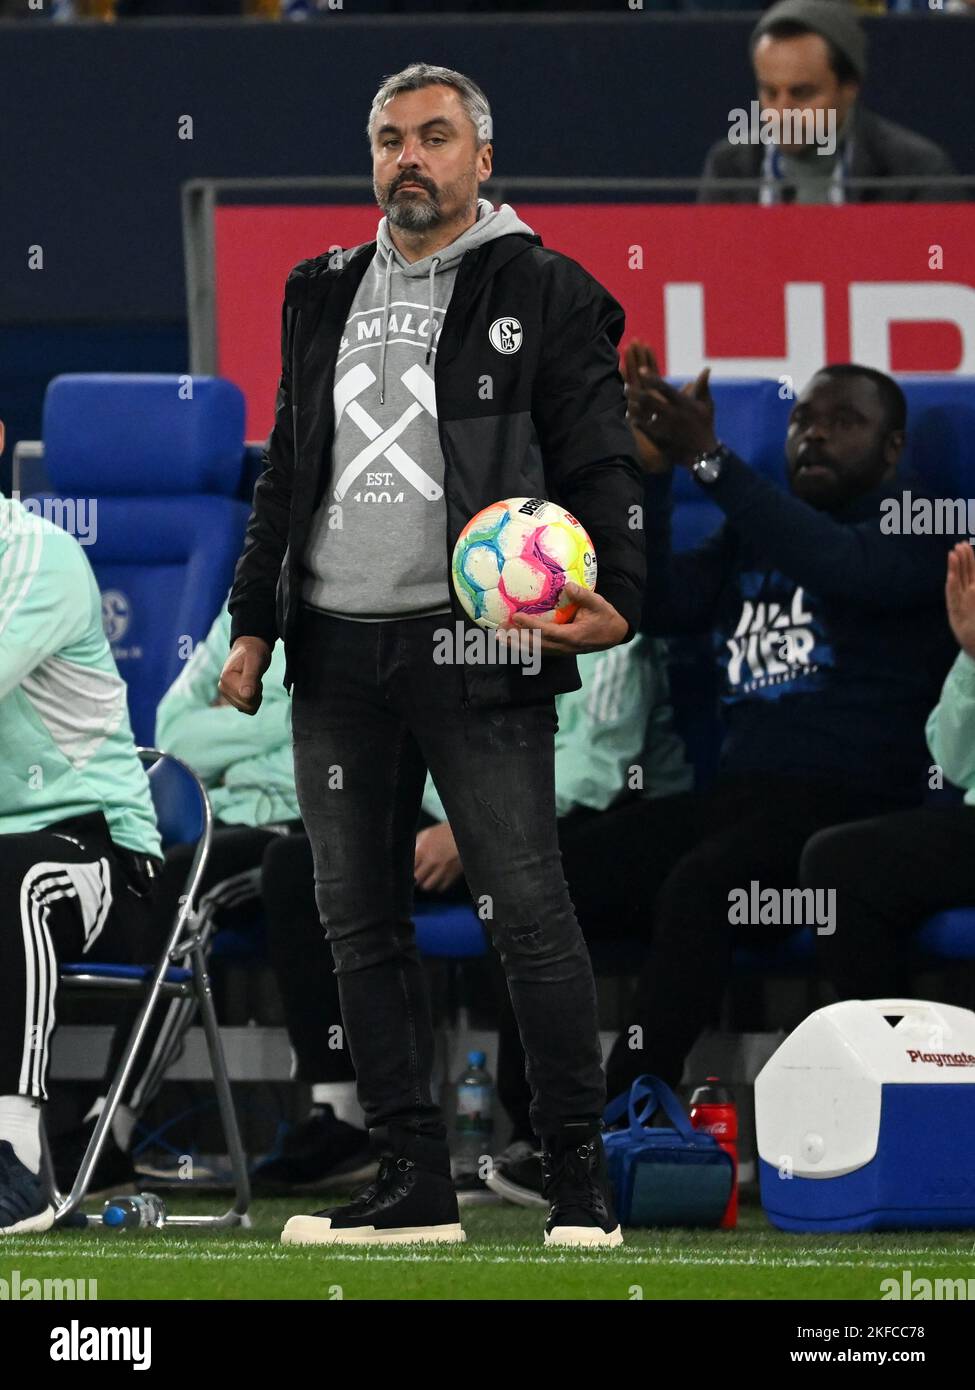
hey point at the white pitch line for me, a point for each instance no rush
(374, 1257)
(479, 1249)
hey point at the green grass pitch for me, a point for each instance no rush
(503, 1258)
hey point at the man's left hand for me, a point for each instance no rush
(594, 627)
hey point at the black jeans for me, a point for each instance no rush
(371, 713)
(889, 874)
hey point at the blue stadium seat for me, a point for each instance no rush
(164, 473)
(941, 432)
(450, 931)
(180, 810)
(949, 935)
(752, 418)
(175, 975)
(946, 935)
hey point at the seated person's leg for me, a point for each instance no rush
(754, 831)
(888, 875)
(329, 1145)
(616, 860)
(74, 898)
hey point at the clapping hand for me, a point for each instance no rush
(960, 595)
(669, 426)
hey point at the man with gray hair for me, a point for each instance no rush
(450, 363)
(809, 136)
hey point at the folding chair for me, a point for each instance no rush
(184, 817)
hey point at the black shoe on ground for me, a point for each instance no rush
(577, 1185)
(114, 1174)
(320, 1152)
(411, 1199)
(517, 1174)
(24, 1204)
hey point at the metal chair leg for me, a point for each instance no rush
(235, 1215)
(176, 946)
(96, 1144)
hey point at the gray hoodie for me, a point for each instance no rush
(376, 549)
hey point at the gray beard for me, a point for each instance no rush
(413, 214)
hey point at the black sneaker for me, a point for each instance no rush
(411, 1199)
(24, 1204)
(320, 1152)
(517, 1175)
(114, 1173)
(577, 1185)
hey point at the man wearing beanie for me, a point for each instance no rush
(809, 57)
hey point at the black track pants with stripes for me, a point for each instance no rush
(66, 895)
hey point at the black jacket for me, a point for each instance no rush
(553, 425)
(881, 149)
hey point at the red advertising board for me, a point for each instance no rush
(754, 291)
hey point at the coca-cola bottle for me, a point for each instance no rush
(713, 1111)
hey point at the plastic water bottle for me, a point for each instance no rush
(713, 1111)
(134, 1213)
(474, 1121)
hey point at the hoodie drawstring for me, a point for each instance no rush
(433, 270)
(382, 355)
(387, 292)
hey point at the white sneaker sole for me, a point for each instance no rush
(43, 1221)
(317, 1230)
(583, 1235)
(519, 1196)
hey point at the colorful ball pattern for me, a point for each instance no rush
(516, 557)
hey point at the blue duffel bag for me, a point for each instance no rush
(663, 1177)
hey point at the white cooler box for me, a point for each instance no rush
(865, 1119)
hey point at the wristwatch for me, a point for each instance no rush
(708, 466)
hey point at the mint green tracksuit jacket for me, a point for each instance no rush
(66, 746)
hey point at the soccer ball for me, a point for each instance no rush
(516, 557)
